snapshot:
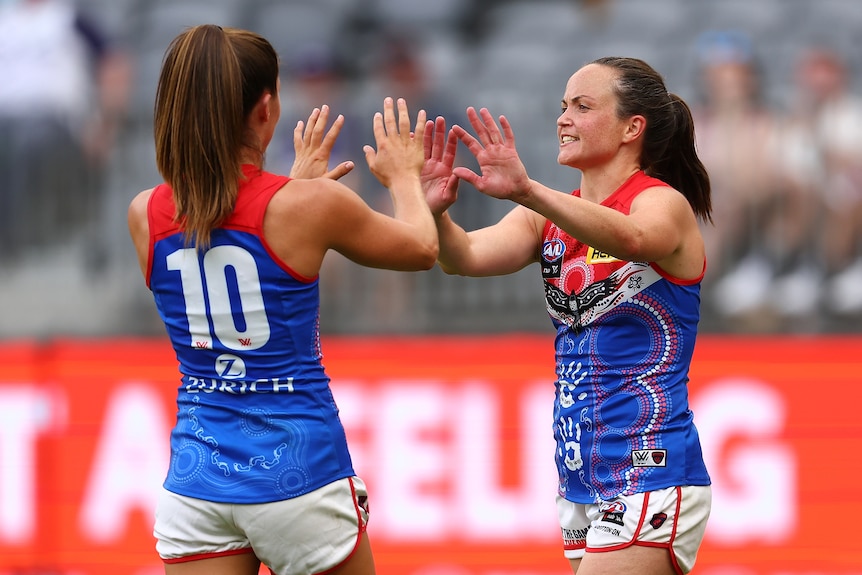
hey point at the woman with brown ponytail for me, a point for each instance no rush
(622, 259)
(260, 470)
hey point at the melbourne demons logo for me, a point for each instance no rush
(552, 258)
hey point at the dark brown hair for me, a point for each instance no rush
(669, 146)
(211, 79)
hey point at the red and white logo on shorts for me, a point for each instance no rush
(649, 458)
(613, 511)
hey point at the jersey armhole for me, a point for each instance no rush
(679, 281)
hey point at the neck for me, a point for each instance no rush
(597, 185)
(251, 156)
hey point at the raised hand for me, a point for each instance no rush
(438, 182)
(503, 174)
(399, 151)
(313, 147)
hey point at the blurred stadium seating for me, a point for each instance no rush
(512, 56)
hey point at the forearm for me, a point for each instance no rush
(454, 255)
(597, 226)
(410, 207)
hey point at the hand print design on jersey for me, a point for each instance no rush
(568, 429)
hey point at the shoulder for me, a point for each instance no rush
(138, 206)
(532, 220)
(139, 224)
(664, 204)
(310, 197)
(663, 193)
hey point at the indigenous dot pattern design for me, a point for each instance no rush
(625, 335)
(632, 412)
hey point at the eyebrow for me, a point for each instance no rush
(572, 100)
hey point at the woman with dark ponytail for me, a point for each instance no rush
(260, 471)
(622, 259)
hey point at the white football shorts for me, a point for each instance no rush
(674, 518)
(307, 534)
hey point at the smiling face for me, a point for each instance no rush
(588, 129)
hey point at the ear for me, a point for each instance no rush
(263, 107)
(634, 128)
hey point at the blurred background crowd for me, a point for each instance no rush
(775, 86)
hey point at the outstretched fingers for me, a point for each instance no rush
(451, 149)
(310, 133)
(508, 132)
(317, 125)
(468, 139)
(482, 133)
(468, 175)
(440, 145)
(332, 134)
(313, 133)
(404, 121)
(429, 141)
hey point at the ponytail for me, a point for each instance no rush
(680, 166)
(210, 80)
(668, 147)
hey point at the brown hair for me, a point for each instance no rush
(211, 79)
(669, 146)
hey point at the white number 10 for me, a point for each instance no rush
(208, 301)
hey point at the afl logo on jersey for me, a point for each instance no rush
(552, 256)
(553, 250)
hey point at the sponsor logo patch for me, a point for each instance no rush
(649, 458)
(613, 512)
(594, 256)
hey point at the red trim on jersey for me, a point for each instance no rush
(620, 200)
(678, 281)
(254, 197)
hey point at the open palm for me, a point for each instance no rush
(438, 182)
(502, 174)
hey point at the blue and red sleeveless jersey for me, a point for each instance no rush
(625, 337)
(256, 420)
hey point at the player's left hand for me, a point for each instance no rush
(438, 182)
(502, 174)
(313, 145)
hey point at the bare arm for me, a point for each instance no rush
(139, 228)
(335, 217)
(653, 231)
(503, 248)
(661, 226)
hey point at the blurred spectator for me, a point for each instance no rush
(311, 78)
(63, 90)
(822, 152)
(734, 128)
(399, 70)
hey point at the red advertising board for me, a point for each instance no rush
(452, 435)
